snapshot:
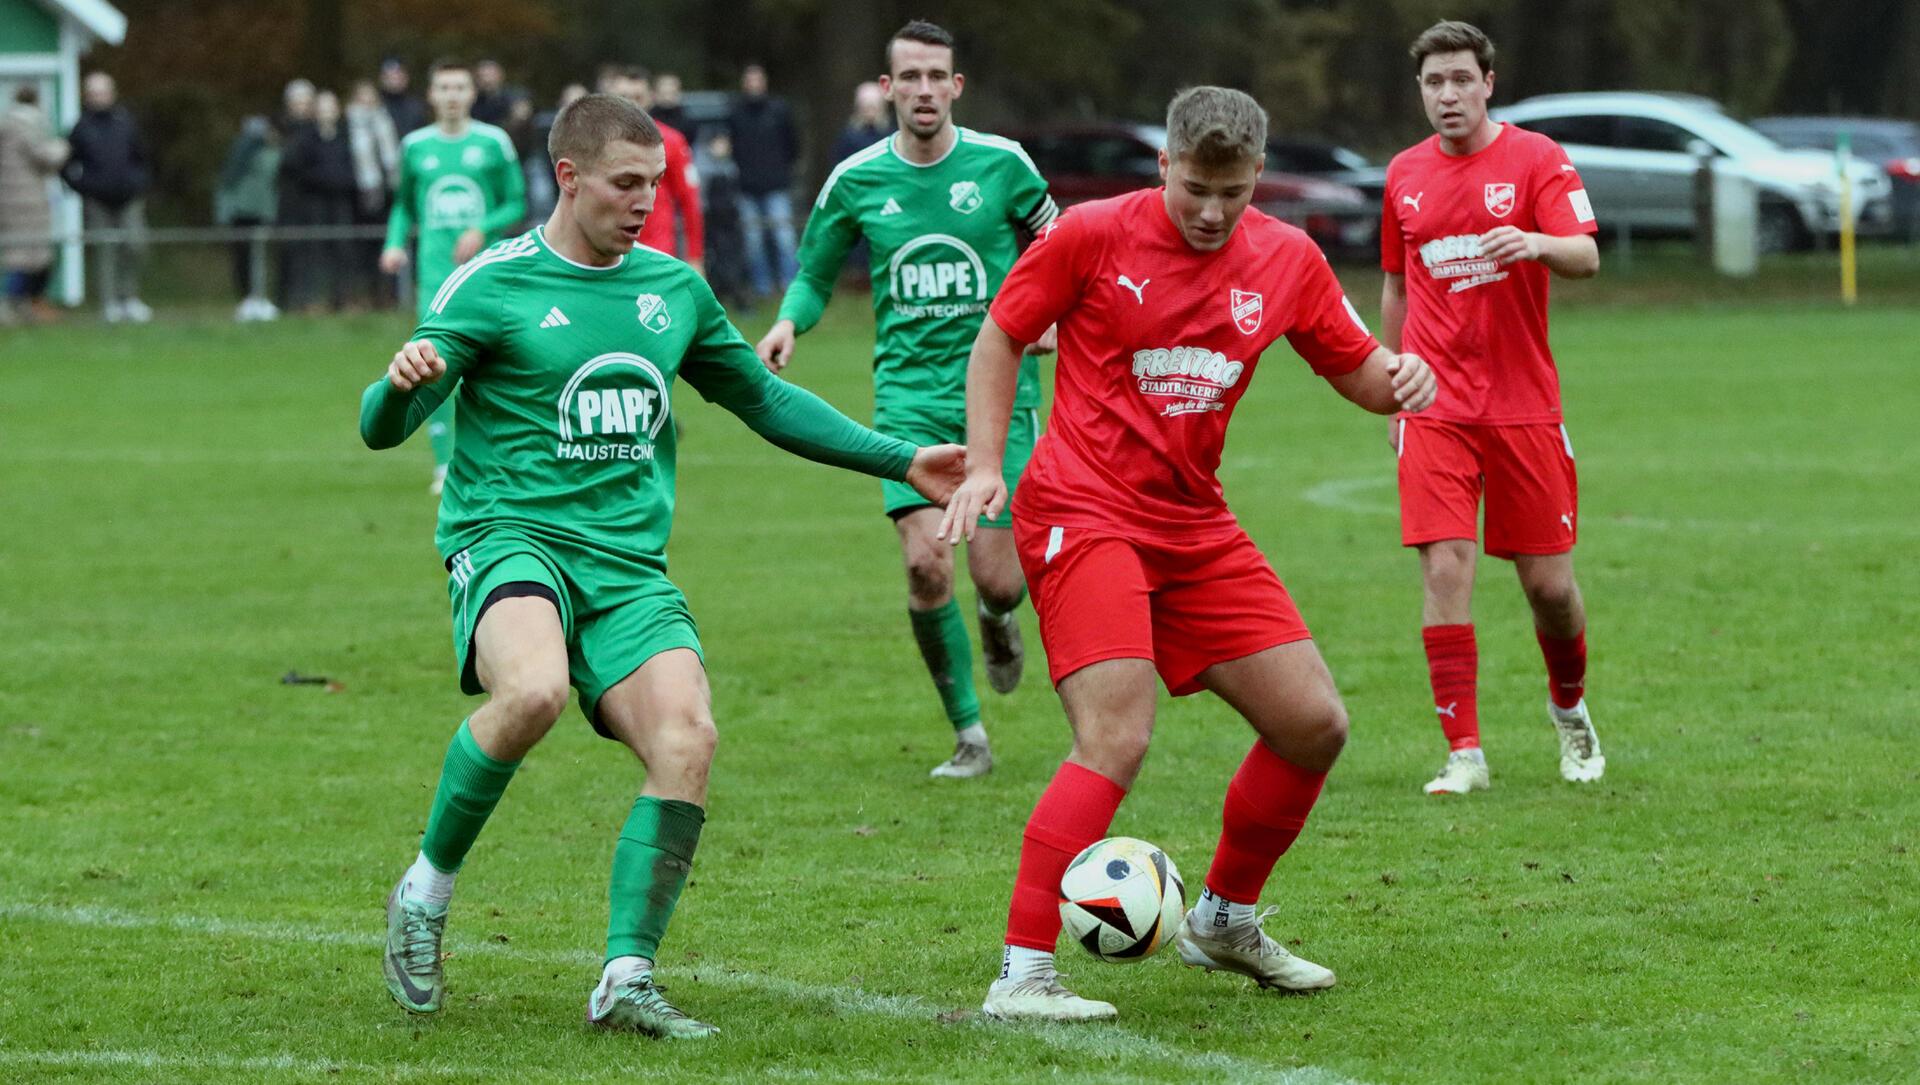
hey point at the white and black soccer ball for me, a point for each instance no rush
(1122, 899)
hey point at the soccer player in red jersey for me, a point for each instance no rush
(1474, 220)
(1165, 300)
(678, 206)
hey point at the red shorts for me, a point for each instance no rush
(1533, 495)
(1185, 605)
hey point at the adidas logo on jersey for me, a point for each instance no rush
(555, 318)
(891, 207)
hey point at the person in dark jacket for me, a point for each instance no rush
(110, 170)
(404, 106)
(871, 122)
(765, 146)
(319, 169)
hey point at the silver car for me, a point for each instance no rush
(1636, 153)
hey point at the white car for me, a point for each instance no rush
(1637, 154)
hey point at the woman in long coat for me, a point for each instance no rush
(30, 154)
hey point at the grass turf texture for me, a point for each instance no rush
(194, 854)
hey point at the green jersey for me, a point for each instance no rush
(942, 237)
(450, 185)
(565, 381)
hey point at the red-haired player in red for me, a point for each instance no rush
(1474, 219)
(1165, 300)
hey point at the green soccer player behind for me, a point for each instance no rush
(944, 210)
(562, 346)
(460, 183)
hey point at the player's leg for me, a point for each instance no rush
(663, 712)
(941, 633)
(998, 583)
(516, 651)
(1440, 489)
(1096, 620)
(1532, 509)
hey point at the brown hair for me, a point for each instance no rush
(449, 64)
(583, 129)
(1216, 126)
(1452, 36)
(925, 33)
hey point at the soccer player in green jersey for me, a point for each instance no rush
(460, 183)
(944, 210)
(562, 346)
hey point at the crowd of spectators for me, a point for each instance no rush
(325, 163)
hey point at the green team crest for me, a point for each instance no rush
(965, 197)
(653, 312)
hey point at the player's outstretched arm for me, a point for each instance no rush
(993, 373)
(1574, 257)
(396, 404)
(1387, 382)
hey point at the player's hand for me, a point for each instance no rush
(776, 347)
(937, 471)
(471, 241)
(392, 260)
(1414, 385)
(984, 493)
(1048, 342)
(1507, 244)
(415, 364)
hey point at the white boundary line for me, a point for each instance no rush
(1099, 1041)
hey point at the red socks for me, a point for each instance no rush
(1076, 809)
(1267, 804)
(1453, 666)
(1566, 667)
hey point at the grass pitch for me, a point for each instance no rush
(193, 854)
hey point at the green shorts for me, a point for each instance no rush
(609, 634)
(924, 426)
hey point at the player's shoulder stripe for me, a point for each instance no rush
(499, 135)
(416, 135)
(879, 149)
(998, 143)
(510, 249)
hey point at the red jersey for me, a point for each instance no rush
(1480, 325)
(1157, 344)
(679, 198)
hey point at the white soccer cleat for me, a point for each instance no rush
(1581, 761)
(1041, 999)
(1465, 770)
(1248, 951)
(969, 759)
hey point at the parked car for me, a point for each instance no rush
(1895, 144)
(1637, 154)
(1097, 160)
(1332, 162)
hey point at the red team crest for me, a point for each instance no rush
(1500, 199)
(1247, 310)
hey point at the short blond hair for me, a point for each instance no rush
(1215, 127)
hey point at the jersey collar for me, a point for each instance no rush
(540, 234)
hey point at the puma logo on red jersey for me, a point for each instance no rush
(1138, 291)
(1414, 201)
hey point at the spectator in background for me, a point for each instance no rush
(319, 169)
(294, 121)
(406, 108)
(871, 122)
(110, 170)
(29, 154)
(726, 252)
(538, 165)
(248, 195)
(296, 107)
(493, 99)
(376, 166)
(667, 106)
(678, 204)
(765, 145)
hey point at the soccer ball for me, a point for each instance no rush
(1122, 899)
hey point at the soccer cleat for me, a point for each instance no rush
(1250, 952)
(1581, 761)
(412, 965)
(1465, 770)
(1041, 998)
(136, 310)
(1000, 646)
(439, 482)
(969, 759)
(637, 1004)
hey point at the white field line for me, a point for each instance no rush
(1099, 1041)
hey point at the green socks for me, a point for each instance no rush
(942, 636)
(471, 784)
(440, 433)
(650, 867)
